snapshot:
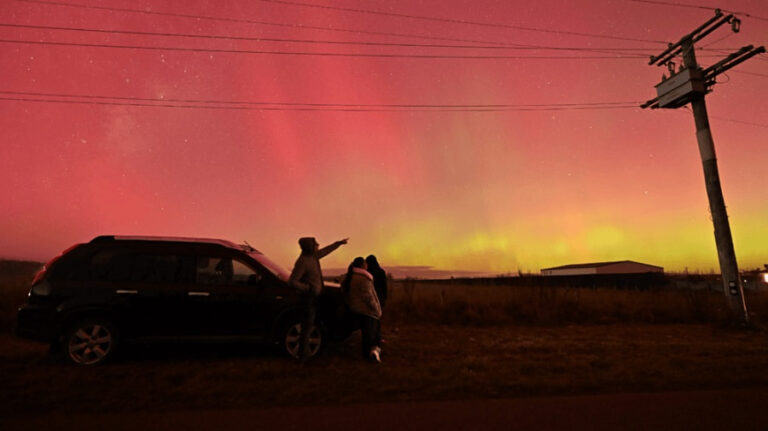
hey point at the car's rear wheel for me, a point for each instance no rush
(291, 336)
(90, 342)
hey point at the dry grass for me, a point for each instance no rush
(468, 304)
(412, 301)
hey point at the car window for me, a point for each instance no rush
(132, 266)
(161, 268)
(111, 265)
(274, 268)
(244, 274)
(225, 271)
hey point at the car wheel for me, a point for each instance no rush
(292, 334)
(90, 342)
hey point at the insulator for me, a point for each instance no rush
(736, 25)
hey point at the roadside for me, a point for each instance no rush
(421, 363)
(741, 409)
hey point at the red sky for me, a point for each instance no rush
(483, 191)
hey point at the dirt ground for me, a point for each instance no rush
(709, 410)
(420, 363)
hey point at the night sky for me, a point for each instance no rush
(452, 185)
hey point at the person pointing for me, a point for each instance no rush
(308, 278)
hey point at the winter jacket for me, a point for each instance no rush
(380, 284)
(361, 296)
(306, 275)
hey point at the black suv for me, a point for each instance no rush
(94, 296)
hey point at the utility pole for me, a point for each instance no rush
(689, 85)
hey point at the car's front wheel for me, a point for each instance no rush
(291, 336)
(90, 342)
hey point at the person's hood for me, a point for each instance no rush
(307, 244)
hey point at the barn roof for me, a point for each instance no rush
(597, 264)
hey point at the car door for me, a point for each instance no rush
(146, 286)
(227, 297)
(164, 275)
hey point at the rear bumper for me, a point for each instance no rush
(35, 322)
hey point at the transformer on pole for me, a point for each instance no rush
(689, 84)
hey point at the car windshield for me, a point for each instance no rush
(276, 269)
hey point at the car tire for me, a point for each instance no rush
(90, 342)
(289, 339)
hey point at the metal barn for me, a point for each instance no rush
(618, 267)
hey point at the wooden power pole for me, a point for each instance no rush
(690, 84)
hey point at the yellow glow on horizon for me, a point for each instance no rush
(676, 246)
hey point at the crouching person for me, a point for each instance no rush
(363, 301)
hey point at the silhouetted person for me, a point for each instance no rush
(380, 285)
(308, 278)
(362, 300)
(379, 279)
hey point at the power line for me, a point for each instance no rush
(267, 23)
(731, 120)
(330, 54)
(760, 57)
(457, 21)
(308, 109)
(329, 105)
(319, 54)
(720, 50)
(729, 34)
(750, 73)
(673, 4)
(315, 41)
(303, 27)
(692, 6)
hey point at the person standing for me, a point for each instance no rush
(308, 278)
(380, 285)
(361, 297)
(379, 279)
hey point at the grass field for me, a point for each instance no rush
(447, 303)
(441, 342)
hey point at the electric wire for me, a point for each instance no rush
(730, 120)
(672, 4)
(307, 109)
(301, 26)
(316, 41)
(718, 40)
(455, 21)
(750, 73)
(320, 54)
(345, 109)
(267, 23)
(316, 105)
(692, 6)
(760, 57)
